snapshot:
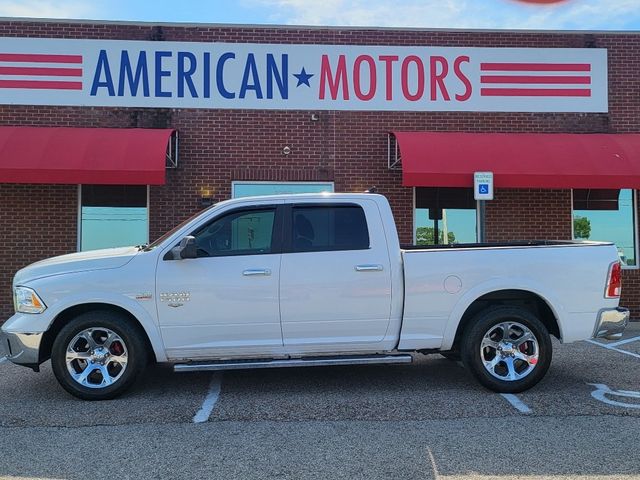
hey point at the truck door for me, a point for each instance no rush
(225, 302)
(335, 280)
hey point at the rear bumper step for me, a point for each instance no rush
(292, 362)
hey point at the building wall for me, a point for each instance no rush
(349, 148)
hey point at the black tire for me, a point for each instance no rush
(488, 321)
(131, 341)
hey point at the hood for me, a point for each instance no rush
(76, 262)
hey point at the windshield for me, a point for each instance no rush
(161, 239)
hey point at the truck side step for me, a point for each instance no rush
(292, 362)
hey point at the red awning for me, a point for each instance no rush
(106, 156)
(520, 160)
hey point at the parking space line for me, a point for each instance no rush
(3, 359)
(210, 400)
(611, 347)
(434, 466)
(516, 402)
(624, 342)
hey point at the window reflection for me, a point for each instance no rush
(249, 189)
(606, 215)
(445, 215)
(113, 216)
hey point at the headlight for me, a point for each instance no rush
(26, 300)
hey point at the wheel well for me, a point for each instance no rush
(66, 315)
(517, 298)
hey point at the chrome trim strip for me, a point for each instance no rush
(294, 362)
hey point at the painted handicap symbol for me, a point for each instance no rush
(603, 392)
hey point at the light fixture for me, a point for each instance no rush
(206, 196)
(286, 150)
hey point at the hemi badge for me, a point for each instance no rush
(143, 296)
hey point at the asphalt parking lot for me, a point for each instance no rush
(425, 420)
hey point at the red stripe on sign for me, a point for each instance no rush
(37, 57)
(537, 67)
(534, 79)
(535, 92)
(41, 84)
(42, 71)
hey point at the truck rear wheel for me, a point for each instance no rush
(508, 349)
(98, 355)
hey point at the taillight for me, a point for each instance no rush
(614, 282)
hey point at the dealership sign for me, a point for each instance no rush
(293, 77)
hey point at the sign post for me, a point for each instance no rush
(482, 191)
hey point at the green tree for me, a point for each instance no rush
(424, 236)
(581, 227)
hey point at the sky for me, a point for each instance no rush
(493, 14)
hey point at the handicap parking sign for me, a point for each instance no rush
(483, 185)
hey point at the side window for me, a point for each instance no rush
(329, 228)
(238, 233)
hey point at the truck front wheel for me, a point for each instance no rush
(508, 349)
(98, 355)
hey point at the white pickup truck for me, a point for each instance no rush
(308, 280)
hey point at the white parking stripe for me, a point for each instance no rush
(516, 402)
(610, 347)
(3, 359)
(623, 342)
(210, 400)
(434, 466)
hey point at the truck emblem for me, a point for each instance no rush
(175, 298)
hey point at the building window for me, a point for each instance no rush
(607, 215)
(445, 215)
(249, 189)
(113, 216)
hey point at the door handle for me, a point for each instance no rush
(252, 272)
(369, 268)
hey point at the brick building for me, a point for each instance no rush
(267, 125)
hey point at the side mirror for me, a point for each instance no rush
(188, 247)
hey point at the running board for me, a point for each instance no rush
(292, 362)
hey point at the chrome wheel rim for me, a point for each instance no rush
(96, 357)
(509, 351)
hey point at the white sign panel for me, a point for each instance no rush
(483, 185)
(38, 71)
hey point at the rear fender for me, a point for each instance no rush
(495, 285)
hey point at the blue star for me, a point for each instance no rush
(303, 78)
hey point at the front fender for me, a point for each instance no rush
(40, 323)
(494, 285)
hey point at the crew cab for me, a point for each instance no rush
(308, 280)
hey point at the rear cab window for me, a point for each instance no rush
(316, 228)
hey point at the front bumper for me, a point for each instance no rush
(21, 348)
(611, 323)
